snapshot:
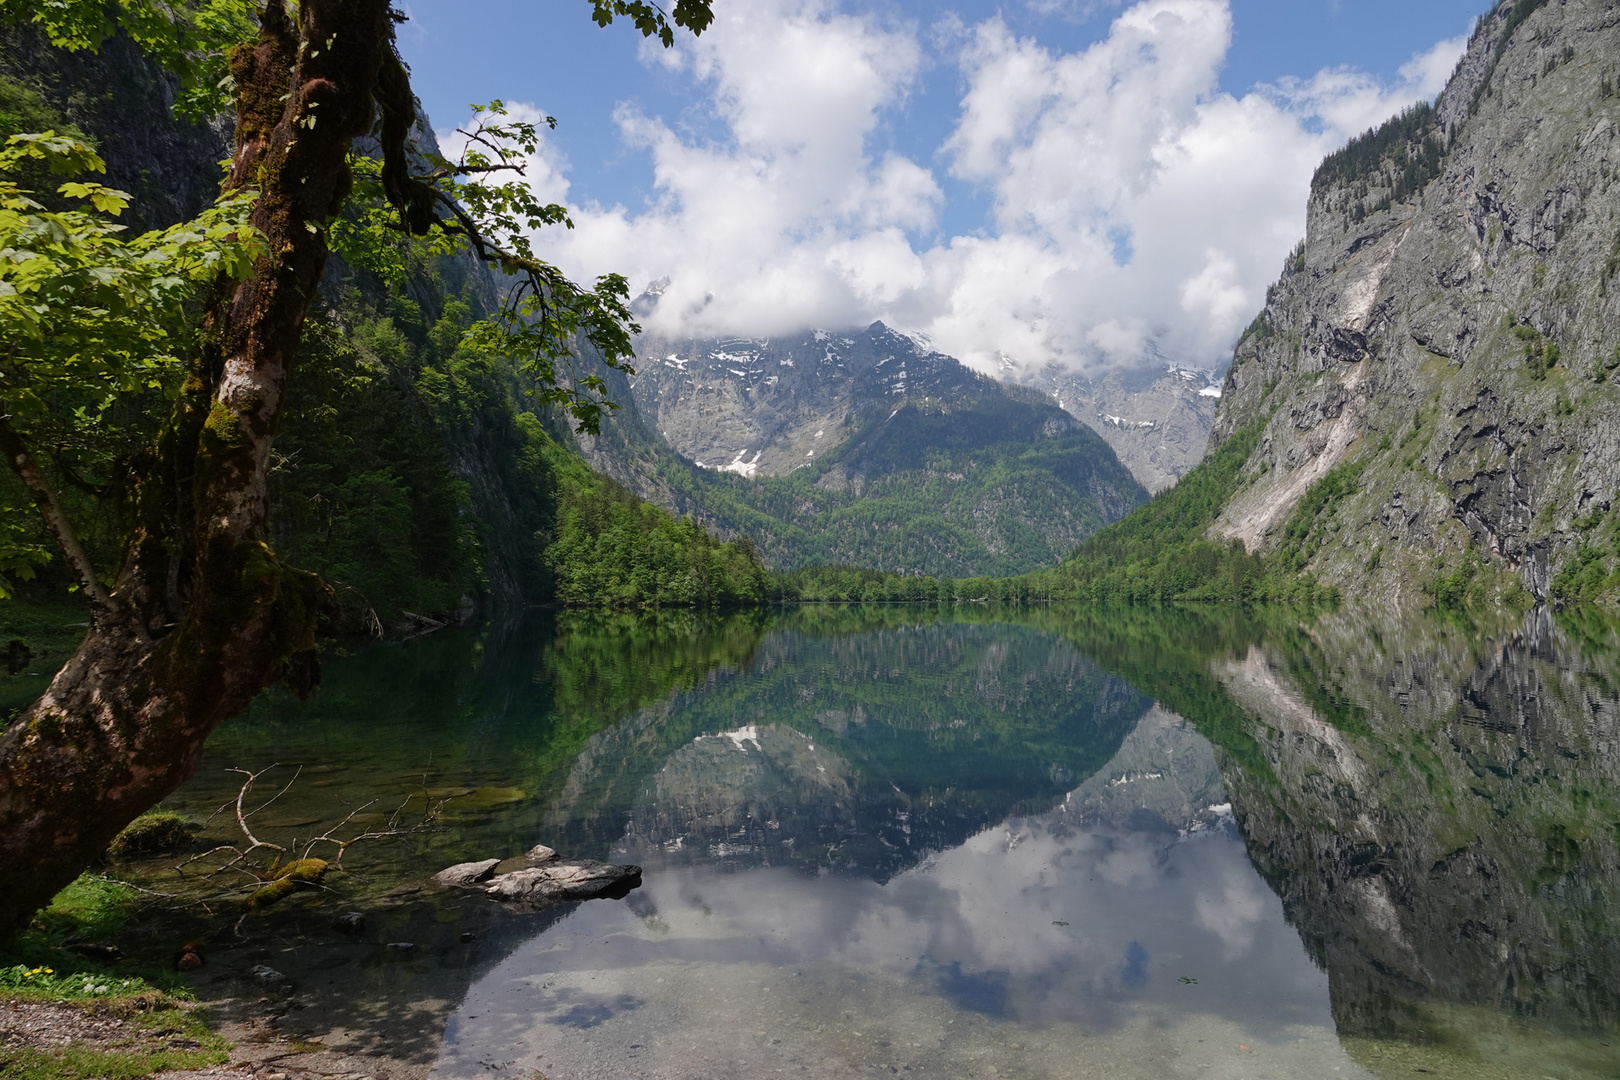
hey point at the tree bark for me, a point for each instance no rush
(203, 615)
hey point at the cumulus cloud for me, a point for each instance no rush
(1136, 210)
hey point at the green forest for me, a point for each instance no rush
(415, 471)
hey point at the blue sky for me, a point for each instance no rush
(1028, 180)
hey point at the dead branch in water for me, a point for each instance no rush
(393, 829)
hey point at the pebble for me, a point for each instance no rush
(268, 975)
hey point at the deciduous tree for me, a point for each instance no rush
(202, 614)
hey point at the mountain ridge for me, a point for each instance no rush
(885, 453)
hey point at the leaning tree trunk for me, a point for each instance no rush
(203, 615)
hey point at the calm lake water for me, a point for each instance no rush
(1060, 842)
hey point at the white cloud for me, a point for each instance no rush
(1132, 202)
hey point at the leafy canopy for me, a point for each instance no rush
(88, 316)
(654, 21)
(481, 202)
(187, 37)
(84, 309)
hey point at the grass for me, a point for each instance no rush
(164, 1033)
(166, 1028)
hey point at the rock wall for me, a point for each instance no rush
(1449, 324)
(124, 102)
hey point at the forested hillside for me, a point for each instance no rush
(412, 470)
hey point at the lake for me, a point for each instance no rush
(951, 842)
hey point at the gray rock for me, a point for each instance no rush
(1156, 420)
(556, 883)
(539, 854)
(350, 922)
(401, 946)
(269, 976)
(463, 875)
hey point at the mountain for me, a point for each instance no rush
(1156, 419)
(866, 448)
(769, 406)
(1429, 385)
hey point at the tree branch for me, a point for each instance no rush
(56, 519)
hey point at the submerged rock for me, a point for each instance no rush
(350, 922)
(463, 875)
(559, 882)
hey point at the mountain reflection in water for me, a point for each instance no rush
(1148, 841)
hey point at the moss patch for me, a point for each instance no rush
(153, 832)
(289, 879)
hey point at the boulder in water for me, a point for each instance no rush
(464, 875)
(559, 882)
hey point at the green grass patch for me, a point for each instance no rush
(90, 907)
(162, 1033)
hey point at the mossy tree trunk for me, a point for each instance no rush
(203, 615)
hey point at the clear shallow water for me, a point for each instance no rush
(1146, 842)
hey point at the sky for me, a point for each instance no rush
(1091, 183)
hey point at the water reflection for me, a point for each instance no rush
(1052, 842)
(855, 753)
(1448, 836)
(1126, 927)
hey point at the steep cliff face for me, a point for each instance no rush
(124, 102)
(1446, 333)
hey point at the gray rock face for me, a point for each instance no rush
(1454, 341)
(768, 407)
(1157, 420)
(124, 101)
(901, 458)
(557, 883)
